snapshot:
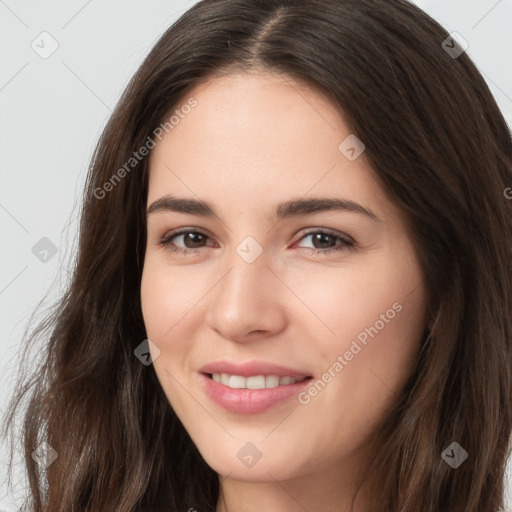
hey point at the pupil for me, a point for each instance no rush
(192, 236)
(318, 237)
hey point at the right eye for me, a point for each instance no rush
(188, 236)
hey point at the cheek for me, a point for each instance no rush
(374, 314)
(162, 307)
(378, 321)
(165, 305)
(156, 300)
(167, 295)
(345, 301)
(379, 332)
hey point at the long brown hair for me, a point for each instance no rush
(442, 152)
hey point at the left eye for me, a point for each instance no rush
(195, 238)
(324, 237)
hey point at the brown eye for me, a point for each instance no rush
(189, 239)
(324, 241)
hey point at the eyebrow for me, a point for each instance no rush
(283, 210)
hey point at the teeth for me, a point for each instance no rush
(253, 382)
(256, 382)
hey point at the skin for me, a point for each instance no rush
(252, 141)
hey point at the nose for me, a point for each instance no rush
(248, 300)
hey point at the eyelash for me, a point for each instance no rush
(346, 243)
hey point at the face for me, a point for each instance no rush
(334, 296)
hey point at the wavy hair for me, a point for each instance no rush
(441, 151)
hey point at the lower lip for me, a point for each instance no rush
(250, 401)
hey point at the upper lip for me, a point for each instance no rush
(250, 368)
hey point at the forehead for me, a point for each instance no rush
(255, 136)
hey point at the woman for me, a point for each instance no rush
(204, 358)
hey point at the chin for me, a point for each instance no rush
(264, 470)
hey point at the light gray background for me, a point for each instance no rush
(52, 111)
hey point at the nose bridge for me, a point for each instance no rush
(247, 257)
(247, 273)
(246, 297)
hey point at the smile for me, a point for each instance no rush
(239, 397)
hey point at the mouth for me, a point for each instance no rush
(251, 395)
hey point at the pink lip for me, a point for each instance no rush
(252, 368)
(249, 401)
